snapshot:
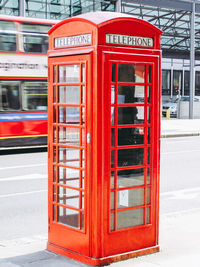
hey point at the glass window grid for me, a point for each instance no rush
(56, 147)
(147, 145)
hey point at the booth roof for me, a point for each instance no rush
(101, 17)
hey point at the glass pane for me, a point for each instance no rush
(9, 93)
(112, 115)
(126, 73)
(130, 115)
(83, 158)
(54, 212)
(113, 72)
(7, 26)
(130, 198)
(69, 136)
(148, 176)
(130, 94)
(83, 179)
(177, 82)
(197, 83)
(128, 178)
(130, 136)
(112, 220)
(83, 73)
(112, 158)
(83, 116)
(69, 157)
(8, 42)
(149, 94)
(148, 200)
(112, 94)
(82, 137)
(131, 73)
(112, 180)
(130, 218)
(35, 43)
(139, 73)
(69, 177)
(130, 157)
(54, 94)
(68, 197)
(34, 96)
(166, 82)
(54, 134)
(69, 74)
(54, 74)
(148, 114)
(36, 28)
(68, 217)
(69, 115)
(83, 95)
(150, 74)
(54, 114)
(54, 174)
(82, 221)
(54, 154)
(112, 200)
(69, 94)
(148, 215)
(149, 135)
(148, 155)
(112, 137)
(54, 193)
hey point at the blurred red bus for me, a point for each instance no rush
(23, 80)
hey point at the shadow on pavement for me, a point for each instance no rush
(40, 259)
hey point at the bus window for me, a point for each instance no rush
(7, 36)
(9, 96)
(35, 39)
(34, 96)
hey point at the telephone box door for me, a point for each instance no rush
(69, 89)
(131, 185)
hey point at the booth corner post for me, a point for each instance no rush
(104, 137)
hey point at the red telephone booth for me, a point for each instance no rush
(104, 137)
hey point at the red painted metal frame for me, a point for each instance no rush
(105, 246)
(148, 232)
(63, 232)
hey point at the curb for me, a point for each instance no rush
(179, 135)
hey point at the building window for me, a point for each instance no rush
(166, 82)
(186, 82)
(177, 82)
(197, 83)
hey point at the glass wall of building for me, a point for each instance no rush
(176, 83)
(54, 9)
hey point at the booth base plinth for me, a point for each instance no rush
(101, 261)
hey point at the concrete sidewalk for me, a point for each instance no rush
(179, 244)
(178, 128)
